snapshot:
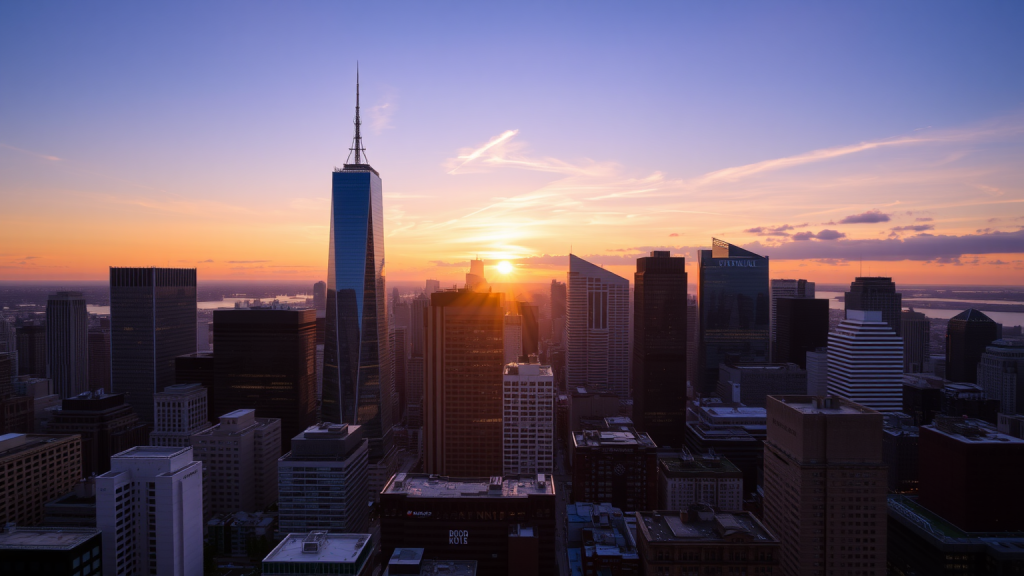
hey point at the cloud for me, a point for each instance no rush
(914, 228)
(381, 116)
(998, 263)
(247, 261)
(770, 231)
(923, 219)
(870, 217)
(31, 257)
(474, 154)
(921, 247)
(207, 261)
(825, 234)
(673, 235)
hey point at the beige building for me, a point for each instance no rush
(180, 412)
(825, 486)
(34, 469)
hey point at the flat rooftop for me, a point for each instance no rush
(448, 568)
(736, 411)
(432, 486)
(45, 538)
(670, 526)
(610, 438)
(152, 452)
(11, 444)
(697, 465)
(823, 405)
(332, 549)
(969, 434)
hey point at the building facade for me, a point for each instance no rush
(877, 294)
(513, 337)
(106, 423)
(32, 350)
(968, 334)
(50, 551)
(801, 326)
(751, 384)
(181, 411)
(1001, 374)
(67, 343)
(34, 469)
(916, 329)
(617, 465)
(865, 362)
(597, 328)
(689, 479)
(239, 457)
(734, 432)
(528, 420)
(789, 289)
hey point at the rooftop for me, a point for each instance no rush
(703, 465)
(606, 438)
(448, 567)
(433, 486)
(823, 405)
(971, 431)
(182, 389)
(152, 452)
(972, 315)
(13, 443)
(319, 548)
(45, 538)
(701, 525)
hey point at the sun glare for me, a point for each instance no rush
(504, 266)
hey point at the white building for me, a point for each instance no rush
(1001, 374)
(597, 329)
(528, 421)
(781, 288)
(865, 362)
(150, 510)
(180, 411)
(513, 337)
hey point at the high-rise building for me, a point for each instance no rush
(597, 328)
(916, 330)
(152, 322)
(801, 326)
(558, 311)
(150, 510)
(333, 458)
(752, 384)
(432, 286)
(475, 279)
(67, 343)
(865, 362)
(53, 551)
(825, 486)
(878, 294)
(692, 340)
(529, 419)
(735, 432)
(417, 317)
(900, 452)
(1001, 374)
(239, 457)
(659, 347)
(181, 411)
(531, 327)
(734, 310)
(106, 424)
(265, 360)
(968, 334)
(817, 372)
(414, 392)
(32, 350)
(689, 479)
(37, 468)
(798, 289)
(320, 295)
(462, 393)
(44, 401)
(99, 356)
(513, 336)
(9, 345)
(615, 464)
(194, 368)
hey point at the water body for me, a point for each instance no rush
(217, 304)
(1004, 318)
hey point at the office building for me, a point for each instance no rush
(615, 464)
(476, 281)
(462, 395)
(801, 326)
(333, 458)
(528, 421)
(659, 347)
(825, 485)
(698, 540)
(734, 310)
(586, 405)
(432, 286)
(733, 432)
(181, 411)
(16, 413)
(8, 346)
(531, 327)
(751, 384)
(900, 452)
(264, 360)
(76, 509)
(50, 551)
(410, 561)
(916, 330)
(414, 392)
(600, 540)
(559, 309)
(416, 323)
(43, 400)
(817, 372)
(686, 479)
(152, 322)
(788, 289)
(239, 457)
(922, 397)
(34, 469)
(241, 533)
(1011, 425)
(470, 519)
(150, 509)
(106, 423)
(877, 294)
(865, 362)
(320, 295)
(692, 341)
(513, 335)
(968, 334)
(969, 400)
(198, 367)
(67, 343)
(1001, 374)
(320, 552)
(32, 350)
(597, 329)
(99, 356)
(399, 341)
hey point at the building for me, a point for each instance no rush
(597, 328)
(730, 431)
(410, 561)
(50, 551)
(700, 541)
(76, 509)
(471, 519)
(531, 327)
(692, 341)
(968, 334)
(67, 343)
(589, 405)
(969, 400)
(106, 423)
(320, 295)
(699, 479)
(44, 401)
(320, 552)
(399, 363)
(922, 397)
(462, 395)
(801, 326)
(825, 485)
(787, 289)
(239, 457)
(734, 310)
(877, 294)
(153, 315)
(181, 411)
(334, 458)
(16, 411)
(616, 464)
(265, 360)
(31, 350)
(751, 384)
(241, 533)
(513, 335)
(99, 356)
(1001, 374)
(8, 350)
(150, 510)
(817, 372)
(432, 286)
(900, 452)
(34, 469)
(528, 421)
(659, 347)
(602, 538)
(865, 362)
(1011, 425)
(916, 330)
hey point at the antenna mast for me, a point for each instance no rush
(357, 141)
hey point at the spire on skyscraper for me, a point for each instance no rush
(357, 140)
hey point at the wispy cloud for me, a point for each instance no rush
(870, 217)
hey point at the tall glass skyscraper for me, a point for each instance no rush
(67, 343)
(597, 329)
(734, 309)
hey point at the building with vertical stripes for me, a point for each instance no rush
(865, 362)
(916, 329)
(67, 343)
(528, 419)
(597, 329)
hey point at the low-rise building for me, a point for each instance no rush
(34, 469)
(50, 551)
(410, 561)
(603, 540)
(106, 423)
(709, 479)
(899, 451)
(320, 552)
(240, 533)
(736, 432)
(751, 383)
(74, 509)
(616, 464)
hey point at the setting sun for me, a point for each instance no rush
(504, 266)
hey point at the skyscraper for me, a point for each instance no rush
(865, 362)
(99, 356)
(786, 289)
(106, 424)
(659, 348)
(692, 340)
(513, 337)
(9, 344)
(558, 311)
(432, 286)
(320, 295)
(67, 343)
(356, 356)
(475, 279)
(916, 329)
(32, 350)
(597, 329)
(878, 294)
(967, 335)
(181, 411)
(531, 327)
(399, 340)
(801, 326)
(529, 419)
(152, 321)
(734, 310)
(1001, 374)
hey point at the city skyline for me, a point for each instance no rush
(880, 143)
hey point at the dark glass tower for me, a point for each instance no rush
(152, 322)
(879, 294)
(356, 388)
(916, 340)
(67, 343)
(659, 348)
(967, 335)
(734, 310)
(801, 326)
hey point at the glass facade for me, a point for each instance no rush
(734, 310)
(356, 355)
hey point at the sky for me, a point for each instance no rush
(839, 138)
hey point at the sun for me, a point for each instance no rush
(504, 266)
